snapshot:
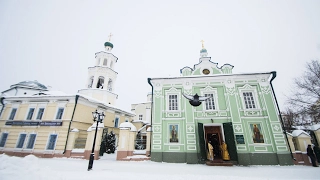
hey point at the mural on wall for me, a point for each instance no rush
(173, 130)
(257, 136)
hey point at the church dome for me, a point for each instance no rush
(203, 50)
(30, 84)
(108, 44)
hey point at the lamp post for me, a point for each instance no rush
(99, 118)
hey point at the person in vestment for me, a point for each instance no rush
(312, 156)
(225, 153)
(210, 151)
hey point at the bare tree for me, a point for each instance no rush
(305, 99)
(290, 119)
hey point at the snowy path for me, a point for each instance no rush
(34, 168)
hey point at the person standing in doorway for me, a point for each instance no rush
(225, 153)
(312, 156)
(210, 151)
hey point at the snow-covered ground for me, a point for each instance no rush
(33, 168)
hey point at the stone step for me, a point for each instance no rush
(219, 162)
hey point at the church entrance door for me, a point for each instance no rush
(213, 134)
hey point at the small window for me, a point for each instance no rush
(110, 85)
(32, 138)
(21, 140)
(13, 113)
(60, 113)
(210, 102)
(105, 62)
(111, 65)
(173, 102)
(116, 122)
(249, 100)
(52, 141)
(3, 140)
(90, 82)
(100, 82)
(140, 117)
(30, 113)
(40, 113)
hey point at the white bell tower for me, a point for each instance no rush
(102, 76)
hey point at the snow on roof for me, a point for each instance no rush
(128, 125)
(105, 104)
(315, 127)
(297, 133)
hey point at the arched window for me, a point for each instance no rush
(110, 85)
(111, 65)
(90, 82)
(100, 82)
(105, 62)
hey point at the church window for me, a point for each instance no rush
(140, 117)
(111, 65)
(90, 82)
(3, 140)
(22, 138)
(13, 113)
(52, 141)
(59, 113)
(110, 85)
(173, 102)
(32, 138)
(249, 100)
(105, 62)
(210, 102)
(30, 113)
(40, 113)
(116, 122)
(100, 82)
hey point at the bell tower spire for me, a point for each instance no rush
(102, 76)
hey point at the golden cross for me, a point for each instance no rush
(202, 44)
(110, 37)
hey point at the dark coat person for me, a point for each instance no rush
(312, 156)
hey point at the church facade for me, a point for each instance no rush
(36, 120)
(242, 112)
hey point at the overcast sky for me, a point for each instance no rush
(55, 41)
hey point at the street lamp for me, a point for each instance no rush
(99, 118)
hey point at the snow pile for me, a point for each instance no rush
(23, 168)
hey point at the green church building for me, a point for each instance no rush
(242, 112)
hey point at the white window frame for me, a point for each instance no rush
(16, 110)
(116, 123)
(34, 109)
(34, 142)
(253, 90)
(140, 117)
(214, 92)
(18, 141)
(56, 115)
(5, 141)
(48, 141)
(173, 91)
(37, 114)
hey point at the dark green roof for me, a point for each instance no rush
(108, 44)
(203, 50)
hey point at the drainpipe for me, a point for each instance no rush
(274, 74)
(74, 110)
(149, 82)
(1, 101)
